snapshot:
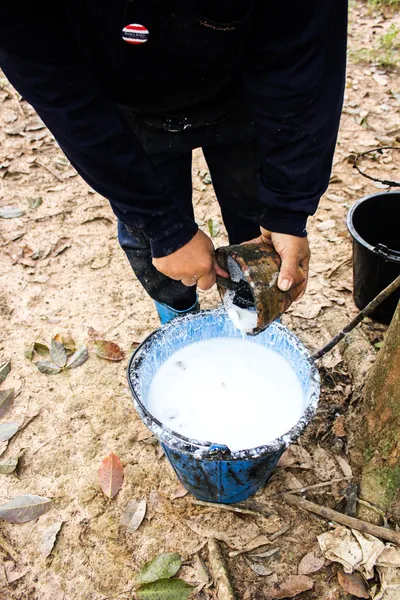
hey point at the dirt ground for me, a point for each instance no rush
(82, 415)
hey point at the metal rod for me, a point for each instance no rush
(365, 312)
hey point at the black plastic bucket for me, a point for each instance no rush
(374, 223)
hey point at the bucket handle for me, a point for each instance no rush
(387, 253)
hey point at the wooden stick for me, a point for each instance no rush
(365, 312)
(221, 578)
(337, 517)
(228, 507)
(311, 487)
(40, 164)
(8, 549)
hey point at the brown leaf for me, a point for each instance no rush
(325, 466)
(353, 584)
(107, 350)
(259, 568)
(338, 427)
(293, 585)
(344, 465)
(68, 342)
(134, 514)
(92, 333)
(296, 457)
(179, 492)
(6, 401)
(49, 538)
(61, 245)
(58, 353)
(311, 563)
(111, 475)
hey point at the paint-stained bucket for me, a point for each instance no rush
(212, 472)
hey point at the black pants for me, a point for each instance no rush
(231, 153)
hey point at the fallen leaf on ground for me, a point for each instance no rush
(34, 203)
(390, 584)
(111, 475)
(231, 529)
(68, 341)
(325, 466)
(258, 568)
(179, 492)
(92, 333)
(6, 401)
(371, 548)
(107, 350)
(11, 212)
(165, 589)
(390, 557)
(41, 349)
(61, 245)
(58, 353)
(292, 483)
(296, 457)
(353, 584)
(293, 585)
(260, 540)
(265, 554)
(7, 430)
(312, 562)
(24, 508)
(134, 514)
(344, 465)
(8, 466)
(5, 368)
(47, 367)
(160, 567)
(78, 359)
(49, 538)
(202, 573)
(143, 435)
(309, 310)
(338, 427)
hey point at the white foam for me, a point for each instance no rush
(227, 391)
(243, 319)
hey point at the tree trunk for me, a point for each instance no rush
(378, 436)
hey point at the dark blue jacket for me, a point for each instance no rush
(70, 61)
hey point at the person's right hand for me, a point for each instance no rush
(192, 264)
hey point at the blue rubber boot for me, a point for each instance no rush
(166, 313)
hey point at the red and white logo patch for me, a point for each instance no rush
(135, 34)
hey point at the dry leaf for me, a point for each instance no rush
(24, 508)
(7, 430)
(160, 567)
(8, 466)
(390, 584)
(5, 368)
(312, 562)
(353, 584)
(325, 466)
(111, 475)
(61, 245)
(309, 310)
(390, 557)
(260, 540)
(265, 554)
(41, 349)
(58, 353)
(371, 548)
(295, 457)
(179, 492)
(293, 585)
(47, 367)
(344, 465)
(134, 514)
(107, 350)
(11, 212)
(78, 359)
(202, 573)
(338, 427)
(49, 538)
(258, 568)
(6, 401)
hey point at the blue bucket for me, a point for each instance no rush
(212, 472)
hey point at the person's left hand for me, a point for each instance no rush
(294, 252)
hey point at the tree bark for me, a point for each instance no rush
(377, 438)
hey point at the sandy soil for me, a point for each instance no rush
(83, 415)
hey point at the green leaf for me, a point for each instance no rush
(77, 359)
(58, 353)
(160, 567)
(7, 430)
(213, 227)
(29, 351)
(6, 400)
(5, 368)
(165, 589)
(47, 367)
(24, 508)
(41, 349)
(11, 212)
(8, 466)
(35, 202)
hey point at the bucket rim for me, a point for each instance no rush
(202, 449)
(389, 254)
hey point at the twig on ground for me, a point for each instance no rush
(66, 211)
(361, 315)
(284, 529)
(8, 549)
(228, 507)
(221, 578)
(40, 164)
(311, 487)
(337, 517)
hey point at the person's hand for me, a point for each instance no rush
(192, 264)
(294, 253)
